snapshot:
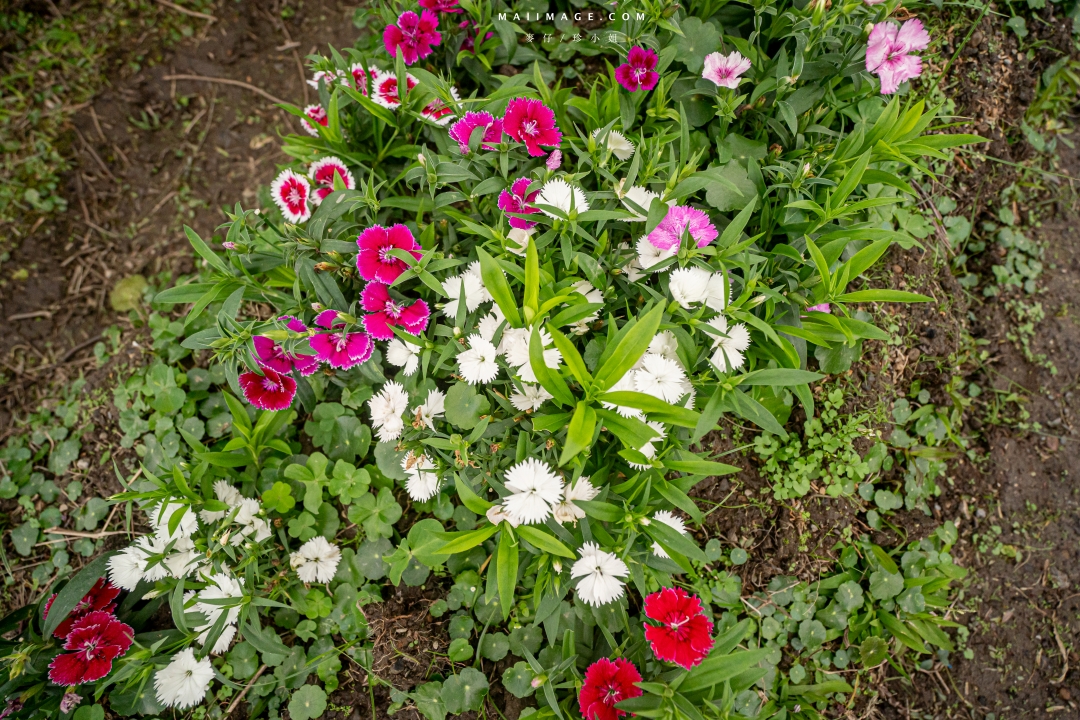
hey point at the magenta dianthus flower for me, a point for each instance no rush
(515, 200)
(374, 261)
(462, 130)
(413, 35)
(638, 72)
(532, 123)
(387, 312)
(338, 348)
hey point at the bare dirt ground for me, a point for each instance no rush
(152, 155)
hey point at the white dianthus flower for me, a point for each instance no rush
(660, 377)
(640, 196)
(729, 345)
(649, 255)
(649, 449)
(562, 195)
(718, 293)
(689, 285)
(386, 409)
(126, 568)
(162, 515)
(664, 343)
(475, 294)
(403, 354)
(617, 143)
(672, 521)
(422, 483)
(535, 490)
(184, 681)
(227, 494)
(316, 560)
(489, 324)
(625, 384)
(519, 240)
(599, 572)
(530, 398)
(567, 511)
(477, 364)
(433, 408)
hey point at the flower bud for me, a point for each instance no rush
(538, 681)
(421, 159)
(557, 565)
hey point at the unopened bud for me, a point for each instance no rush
(317, 307)
(325, 267)
(557, 565)
(538, 681)
(228, 245)
(421, 159)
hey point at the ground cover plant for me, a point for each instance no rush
(568, 295)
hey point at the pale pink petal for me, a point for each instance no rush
(913, 36)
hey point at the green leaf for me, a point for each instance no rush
(885, 585)
(307, 703)
(882, 296)
(462, 541)
(551, 380)
(464, 691)
(779, 377)
(580, 433)
(507, 566)
(545, 541)
(204, 250)
(717, 669)
(464, 406)
(630, 348)
(517, 679)
(698, 40)
(470, 499)
(873, 652)
(279, 498)
(850, 180)
(496, 284)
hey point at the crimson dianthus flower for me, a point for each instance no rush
(387, 312)
(374, 261)
(413, 35)
(95, 640)
(269, 391)
(608, 682)
(684, 636)
(100, 597)
(638, 72)
(533, 123)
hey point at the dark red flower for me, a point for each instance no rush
(684, 636)
(374, 261)
(533, 123)
(516, 200)
(413, 35)
(269, 391)
(95, 640)
(638, 73)
(608, 682)
(387, 312)
(449, 6)
(100, 597)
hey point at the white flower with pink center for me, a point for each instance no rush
(291, 193)
(314, 114)
(322, 173)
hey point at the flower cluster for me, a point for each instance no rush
(93, 637)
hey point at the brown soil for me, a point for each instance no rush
(151, 156)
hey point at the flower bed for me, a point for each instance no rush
(517, 311)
